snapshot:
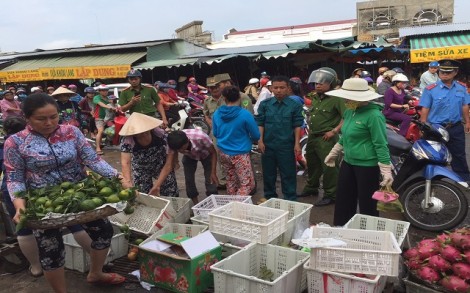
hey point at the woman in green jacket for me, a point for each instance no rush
(366, 156)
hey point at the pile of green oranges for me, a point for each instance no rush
(69, 197)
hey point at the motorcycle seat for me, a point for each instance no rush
(397, 143)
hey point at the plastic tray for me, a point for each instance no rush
(412, 287)
(179, 209)
(248, 222)
(298, 217)
(214, 201)
(77, 259)
(364, 222)
(366, 252)
(333, 282)
(239, 272)
(150, 215)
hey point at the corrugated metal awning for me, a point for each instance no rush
(442, 46)
(166, 63)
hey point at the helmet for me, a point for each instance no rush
(112, 97)
(192, 79)
(72, 86)
(400, 77)
(102, 87)
(382, 69)
(89, 90)
(295, 84)
(389, 74)
(253, 80)
(434, 64)
(323, 75)
(20, 90)
(264, 81)
(50, 88)
(134, 73)
(357, 69)
(398, 70)
(171, 82)
(365, 74)
(264, 73)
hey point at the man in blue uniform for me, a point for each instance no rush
(446, 103)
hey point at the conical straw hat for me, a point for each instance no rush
(138, 123)
(62, 91)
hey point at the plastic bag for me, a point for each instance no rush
(385, 194)
(393, 206)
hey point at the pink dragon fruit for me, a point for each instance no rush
(460, 238)
(462, 270)
(438, 263)
(454, 283)
(466, 256)
(414, 264)
(426, 242)
(428, 274)
(451, 253)
(411, 253)
(428, 249)
(443, 239)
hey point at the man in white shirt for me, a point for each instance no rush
(263, 95)
(430, 76)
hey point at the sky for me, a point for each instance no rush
(26, 25)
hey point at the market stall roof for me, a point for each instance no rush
(165, 63)
(433, 29)
(455, 45)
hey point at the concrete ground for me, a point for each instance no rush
(23, 283)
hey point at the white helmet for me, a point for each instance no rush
(400, 77)
(253, 80)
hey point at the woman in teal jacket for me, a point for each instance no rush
(366, 155)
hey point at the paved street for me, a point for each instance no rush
(23, 283)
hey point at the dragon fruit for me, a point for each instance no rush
(460, 239)
(438, 263)
(426, 242)
(428, 249)
(443, 239)
(454, 283)
(411, 253)
(428, 274)
(462, 270)
(466, 256)
(451, 253)
(414, 264)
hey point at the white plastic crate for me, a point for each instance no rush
(298, 217)
(334, 282)
(180, 229)
(77, 259)
(239, 272)
(150, 215)
(366, 252)
(199, 221)
(214, 201)
(230, 245)
(365, 222)
(179, 209)
(248, 222)
(412, 287)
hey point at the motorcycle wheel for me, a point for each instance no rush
(449, 206)
(201, 124)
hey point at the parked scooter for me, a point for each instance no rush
(189, 119)
(431, 194)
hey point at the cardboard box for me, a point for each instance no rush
(178, 273)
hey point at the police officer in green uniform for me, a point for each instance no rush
(279, 120)
(224, 80)
(141, 98)
(212, 103)
(326, 114)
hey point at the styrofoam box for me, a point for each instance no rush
(365, 222)
(214, 201)
(298, 217)
(150, 215)
(239, 272)
(366, 252)
(334, 282)
(177, 228)
(179, 209)
(248, 222)
(412, 287)
(77, 259)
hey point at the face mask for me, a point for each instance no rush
(352, 104)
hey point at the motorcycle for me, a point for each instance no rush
(190, 118)
(431, 194)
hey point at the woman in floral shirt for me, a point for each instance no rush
(46, 153)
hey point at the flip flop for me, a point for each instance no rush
(34, 275)
(111, 279)
(100, 153)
